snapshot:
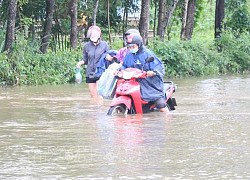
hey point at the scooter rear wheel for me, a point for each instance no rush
(118, 110)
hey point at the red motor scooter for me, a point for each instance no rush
(127, 99)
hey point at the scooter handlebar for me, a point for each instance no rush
(130, 73)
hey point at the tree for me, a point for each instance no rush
(219, 16)
(10, 31)
(237, 16)
(161, 12)
(95, 12)
(108, 8)
(73, 16)
(144, 20)
(125, 16)
(156, 5)
(169, 14)
(48, 25)
(188, 19)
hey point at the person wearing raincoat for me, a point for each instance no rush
(152, 87)
(121, 53)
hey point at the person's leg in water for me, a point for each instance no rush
(93, 90)
(94, 94)
(161, 105)
(92, 85)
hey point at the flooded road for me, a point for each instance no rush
(57, 132)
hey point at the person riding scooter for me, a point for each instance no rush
(152, 87)
(121, 53)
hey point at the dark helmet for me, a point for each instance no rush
(131, 31)
(133, 39)
(128, 32)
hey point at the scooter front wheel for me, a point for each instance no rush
(117, 110)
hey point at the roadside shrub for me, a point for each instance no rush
(27, 66)
(7, 74)
(237, 50)
(2, 37)
(199, 58)
(47, 68)
(185, 58)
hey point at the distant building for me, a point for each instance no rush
(133, 15)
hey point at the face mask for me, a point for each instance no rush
(95, 41)
(134, 50)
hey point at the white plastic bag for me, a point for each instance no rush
(106, 85)
(78, 76)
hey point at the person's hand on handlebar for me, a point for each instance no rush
(150, 73)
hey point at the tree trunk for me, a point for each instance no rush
(219, 16)
(161, 12)
(48, 25)
(184, 18)
(155, 17)
(169, 15)
(188, 20)
(95, 12)
(125, 18)
(73, 16)
(110, 42)
(10, 31)
(144, 20)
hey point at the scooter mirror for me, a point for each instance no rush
(150, 59)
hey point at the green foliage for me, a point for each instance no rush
(184, 58)
(22, 2)
(236, 49)
(7, 75)
(117, 43)
(200, 6)
(26, 66)
(32, 9)
(200, 58)
(2, 38)
(65, 26)
(115, 18)
(3, 11)
(238, 16)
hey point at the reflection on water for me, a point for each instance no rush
(54, 132)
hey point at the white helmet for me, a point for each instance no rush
(94, 33)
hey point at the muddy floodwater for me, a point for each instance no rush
(58, 132)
